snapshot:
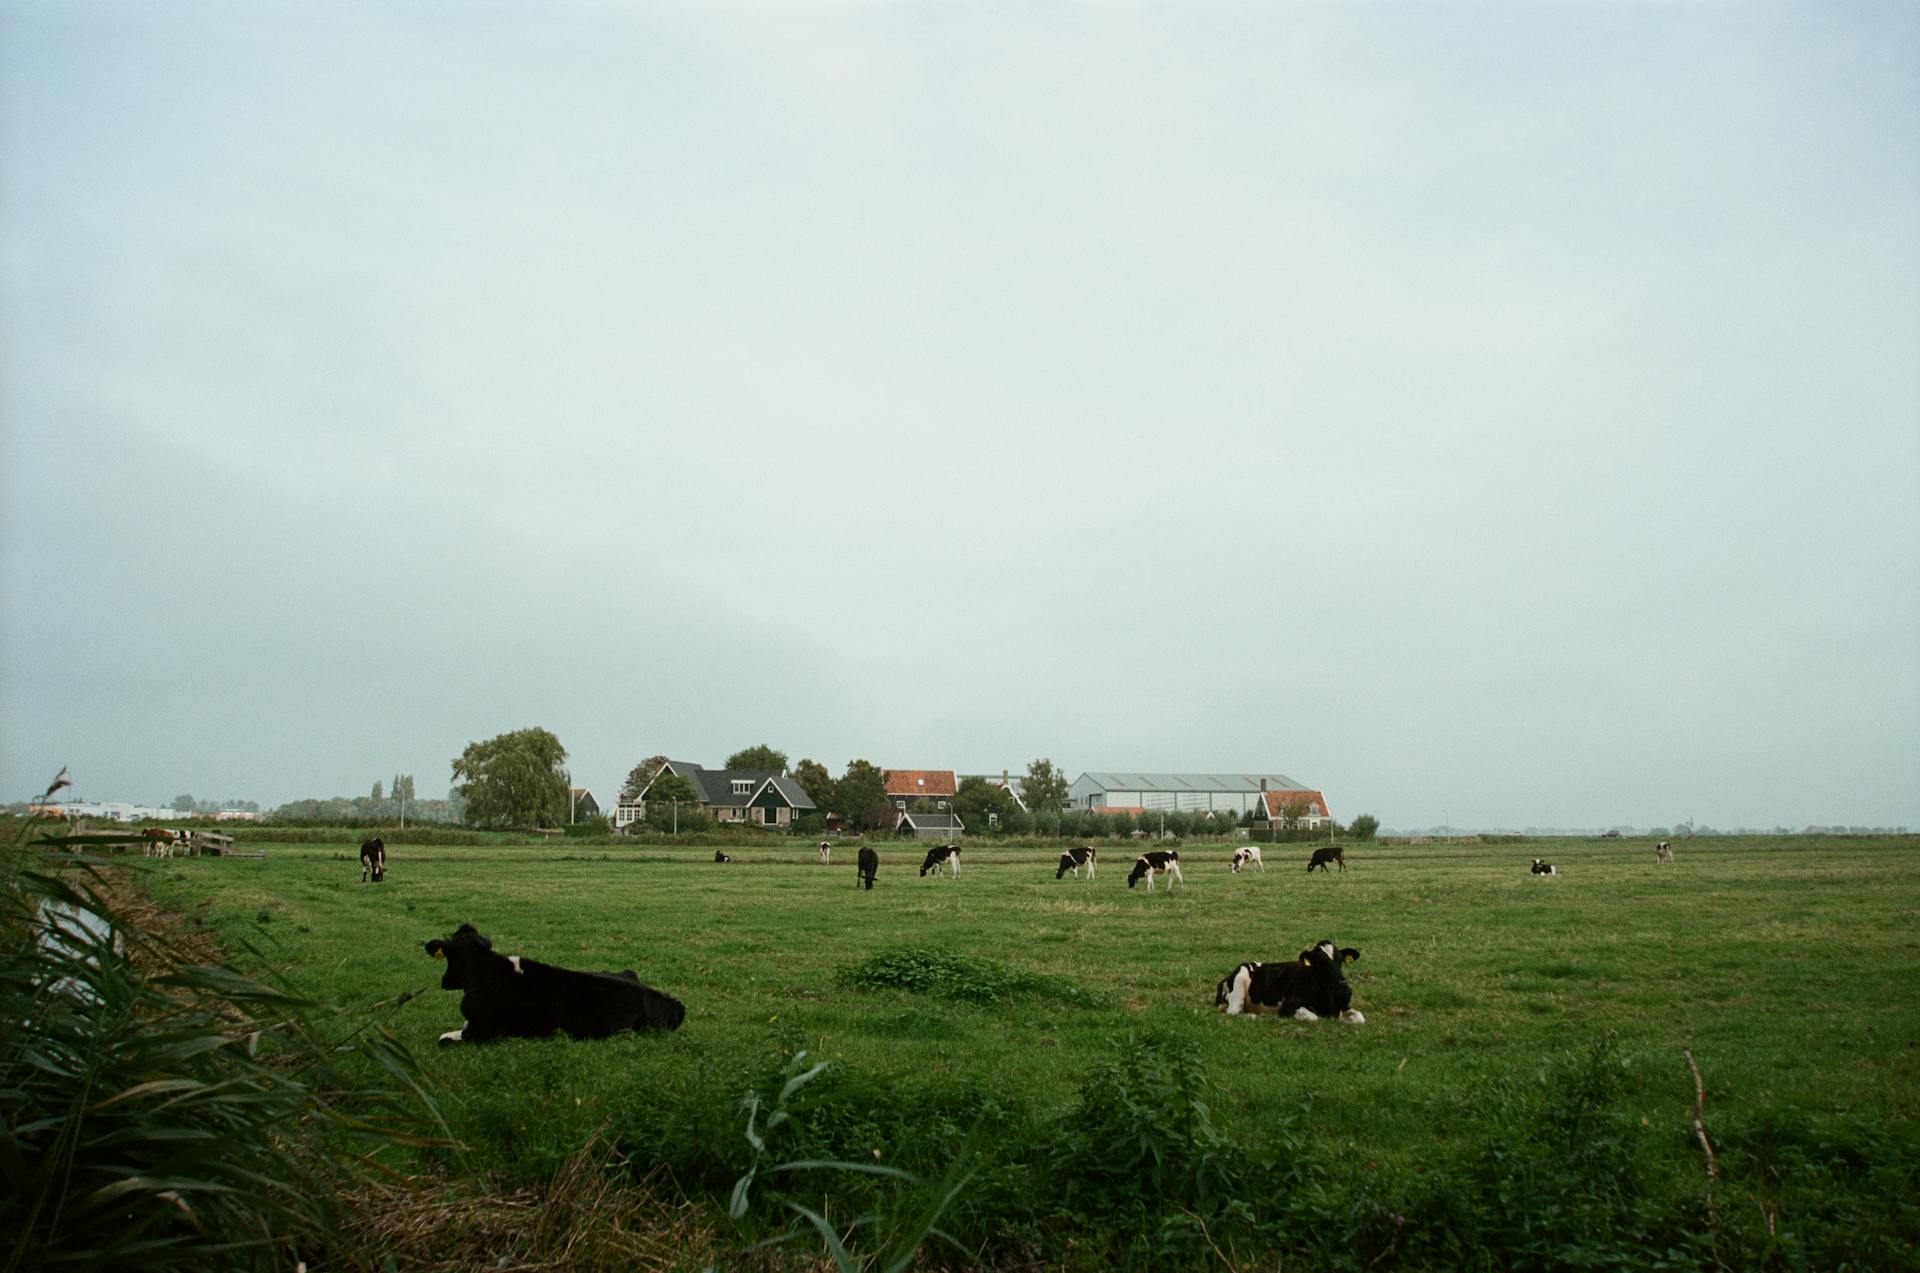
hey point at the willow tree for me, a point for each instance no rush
(514, 780)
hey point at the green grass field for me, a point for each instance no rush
(1788, 966)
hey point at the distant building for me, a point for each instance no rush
(944, 827)
(1194, 793)
(1003, 780)
(761, 797)
(583, 807)
(905, 785)
(1271, 814)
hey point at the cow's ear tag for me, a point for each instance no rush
(1347, 959)
(439, 954)
(1306, 962)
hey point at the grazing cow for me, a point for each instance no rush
(867, 867)
(1074, 859)
(1247, 853)
(1663, 852)
(826, 852)
(1306, 989)
(1158, 862)
(159, 842)
(1542, 868)
(947, 853)
(718, 856)
(510, 997)
(373, 860)
(1332, 853)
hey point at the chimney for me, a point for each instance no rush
(1263, 786)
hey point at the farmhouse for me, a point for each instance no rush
(1309, 806)
(1005, 782)
(582, 806)
(904, 786)
(761, 797)
(1232, 794)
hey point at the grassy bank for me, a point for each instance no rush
(1519, 1090)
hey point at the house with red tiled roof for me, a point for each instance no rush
(1271, 812)
(921, 790)
(917, 784)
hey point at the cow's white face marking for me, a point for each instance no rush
(1326, 948)
(452, 1036)
(515, 961)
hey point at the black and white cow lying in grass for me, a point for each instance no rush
(720, 856)
(373, 860)
(868, 866)
(1158, 862)
(511, 997)
(1307, 989)
(1542, 868)
(1074, 859)
(946, 853)
(1247, 853)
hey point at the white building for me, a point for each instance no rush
(1227, 793)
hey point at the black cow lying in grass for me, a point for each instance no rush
(1074, 859)
(947, 853)
(1307, 989)
(510, 997)
(373, 860)
(868, 866)
(1158, 862)
(1332, 853)
(720, 856)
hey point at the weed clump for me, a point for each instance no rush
(946, 974)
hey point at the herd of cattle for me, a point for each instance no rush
(509, 996)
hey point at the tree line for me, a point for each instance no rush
(518, 779)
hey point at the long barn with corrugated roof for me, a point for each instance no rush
(1226, 793)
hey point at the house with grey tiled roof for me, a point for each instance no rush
(761, 797)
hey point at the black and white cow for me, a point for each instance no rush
(946, 853)
(1074, 859)
(1332, 853)
(718, 856)
(1542, 868)
(373, 860)
(868, 866)
(511, 997)
(826, 852)
(1247, 853)
(1663, 852)
(1306, 989)
(1158, 862)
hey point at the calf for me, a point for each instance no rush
(826, 852)
(1307, 989)
(1247, 853)
(159, 842)
(1663, 852)
(1074, 859)
(868, 865)
(373, 860)
(1158, 862)
(510, 997)
(1542, 868)
(947, 853)
(718, 856)
(1332, 853)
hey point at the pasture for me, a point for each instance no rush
(1523, 1040)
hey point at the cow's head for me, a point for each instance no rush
(463, 952)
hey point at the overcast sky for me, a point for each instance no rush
(1505, 414)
